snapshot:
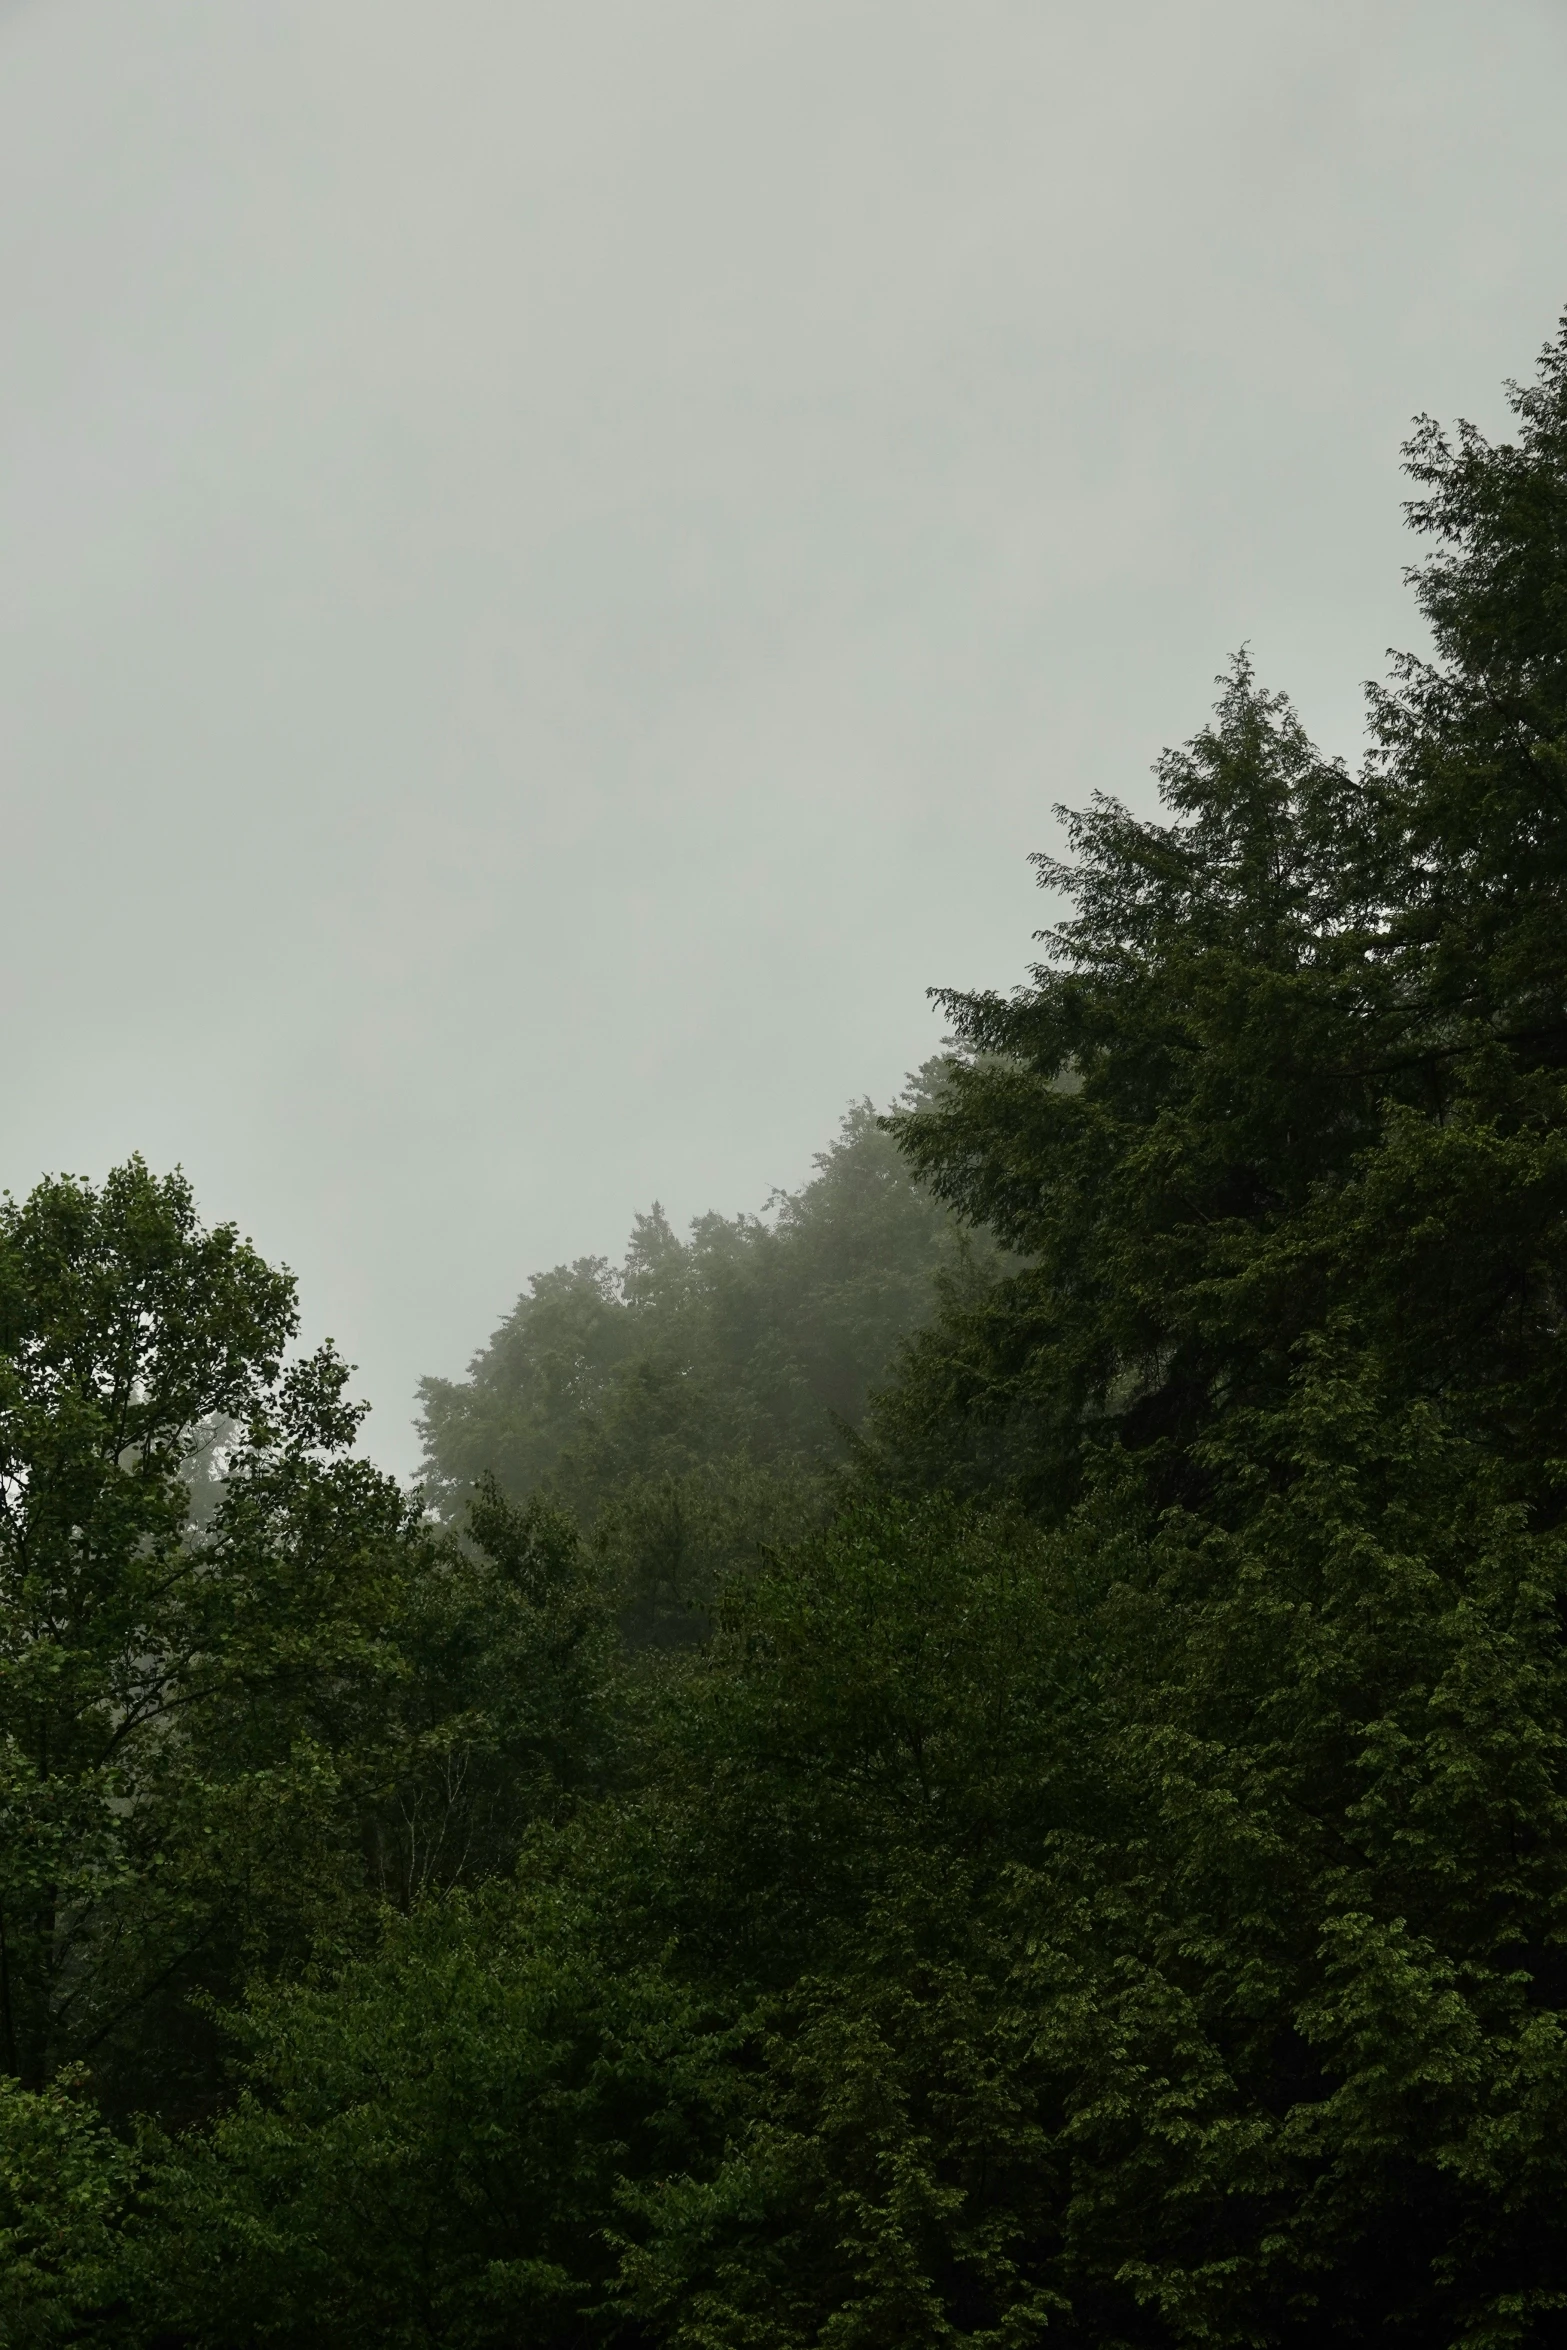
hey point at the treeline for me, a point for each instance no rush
(692, 1408)
(977, 1760)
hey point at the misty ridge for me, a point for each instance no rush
(696, 1404)
(979, 1758)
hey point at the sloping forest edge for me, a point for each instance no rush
(979, 1759)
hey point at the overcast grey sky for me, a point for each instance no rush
(553, 561)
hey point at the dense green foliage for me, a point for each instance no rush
(174, 1710)
(1094, 1870)
(224, 1732)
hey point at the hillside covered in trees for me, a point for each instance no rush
(697, 1403)
(979, 1760)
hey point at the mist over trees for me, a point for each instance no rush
(694, 1403)
(981, 1759)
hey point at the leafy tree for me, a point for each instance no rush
(64, 2184)
(234, 1718)
(178, 1709)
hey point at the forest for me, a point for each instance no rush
(978, 1758)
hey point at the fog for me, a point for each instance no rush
(553, 562)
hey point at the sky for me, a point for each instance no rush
(555, 561)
